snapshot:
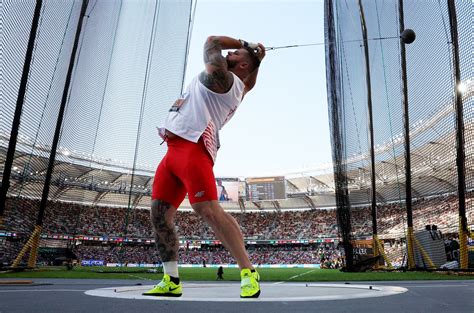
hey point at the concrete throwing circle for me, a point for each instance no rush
(277, 292)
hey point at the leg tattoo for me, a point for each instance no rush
(165, 233)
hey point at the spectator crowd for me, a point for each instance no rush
(326, 254)
(63, 218)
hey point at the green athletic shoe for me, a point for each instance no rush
(249, 286)
(166, 288)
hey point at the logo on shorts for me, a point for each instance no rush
(199, 194)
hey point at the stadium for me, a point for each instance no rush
(393, 211)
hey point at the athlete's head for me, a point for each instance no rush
(242, 60)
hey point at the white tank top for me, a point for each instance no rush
(200, 108)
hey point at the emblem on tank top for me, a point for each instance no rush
(177, 104)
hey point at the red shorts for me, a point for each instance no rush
(186, 167)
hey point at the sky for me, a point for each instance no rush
(282, 125)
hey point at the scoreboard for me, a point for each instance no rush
(266, 188)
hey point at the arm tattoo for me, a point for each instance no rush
(217, 81)
(216, 77)
(166, 238)
(212, 53)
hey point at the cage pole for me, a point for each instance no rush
(18, 110)
(406, 128)
(363, 25)
(33, 242)
(336, 123)
(460, 154)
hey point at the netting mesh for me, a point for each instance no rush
(128, 70)
(431, 100)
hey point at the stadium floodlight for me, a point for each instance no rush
(462, 87)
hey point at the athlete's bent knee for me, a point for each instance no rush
(207, 212)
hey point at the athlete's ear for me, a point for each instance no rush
(244, 65)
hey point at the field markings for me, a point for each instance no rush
(292, 277)
(139, 277)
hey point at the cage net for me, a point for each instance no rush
(431, 86)
(128, 70)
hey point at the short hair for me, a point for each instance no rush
(253, 59)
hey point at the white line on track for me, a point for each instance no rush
(292, 277)
(142, 278)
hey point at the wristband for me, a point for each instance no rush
(244, 43)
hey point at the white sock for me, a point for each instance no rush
(171, 268)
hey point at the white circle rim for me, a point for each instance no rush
(366, 291)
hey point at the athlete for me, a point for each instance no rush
(191, 132)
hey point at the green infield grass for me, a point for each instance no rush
(230, 274)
